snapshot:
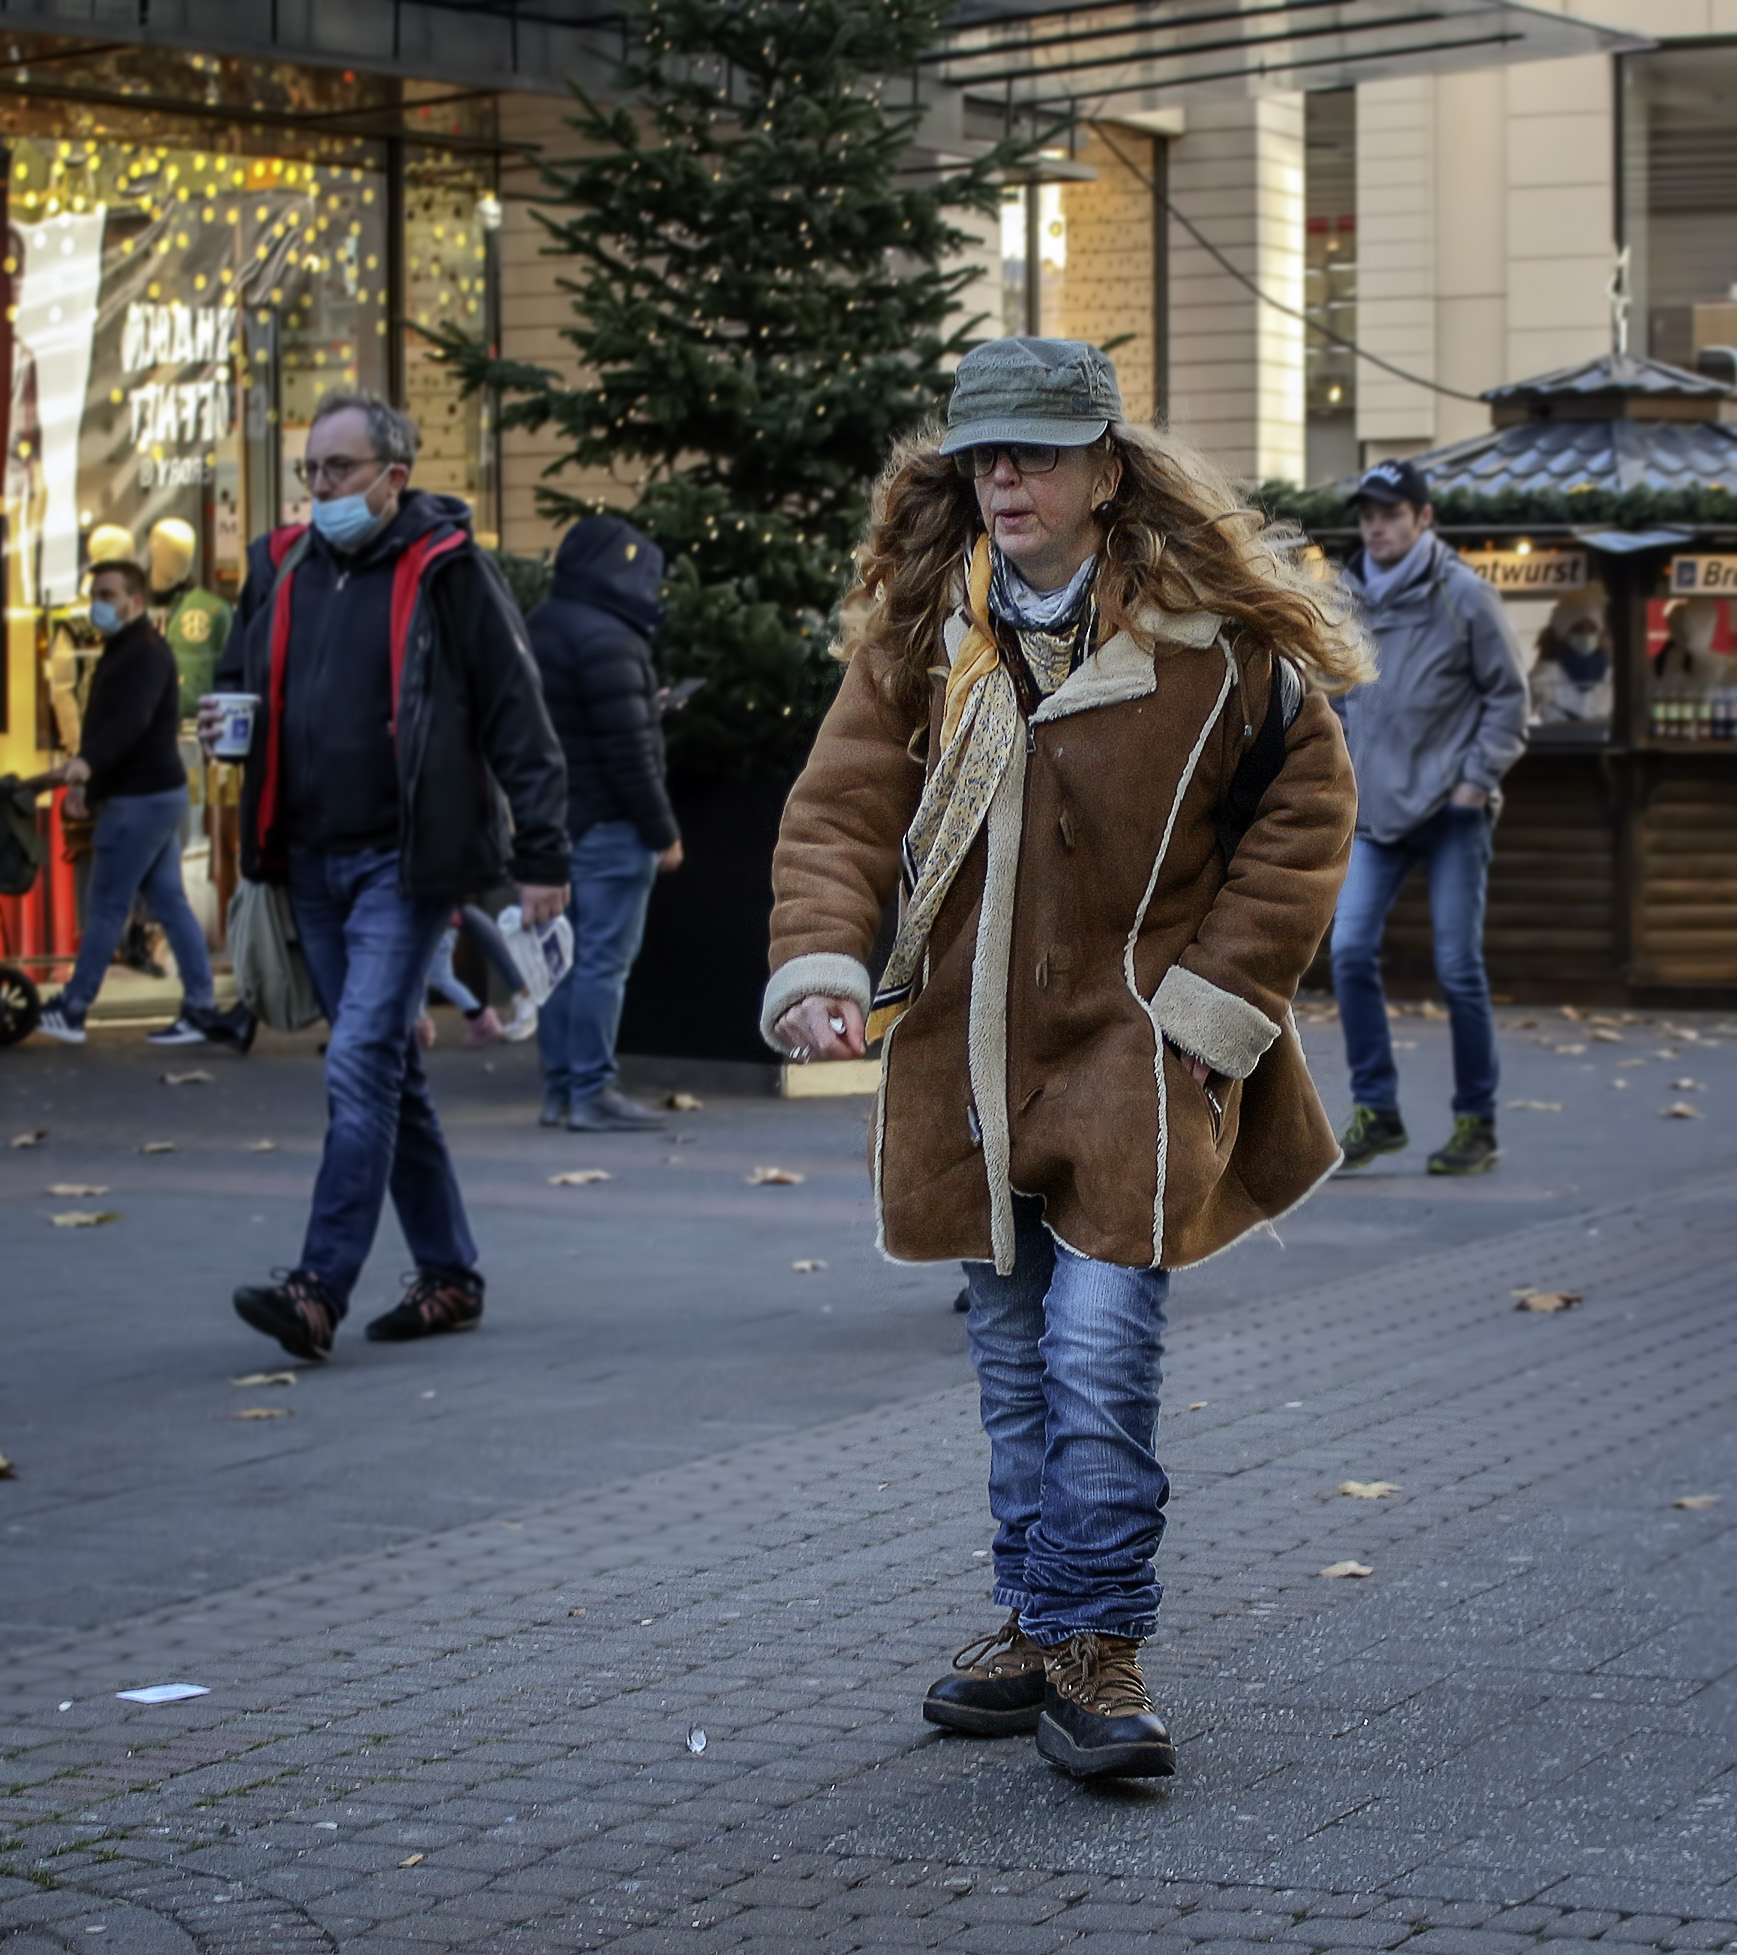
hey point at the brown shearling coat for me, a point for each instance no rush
(1091, 928)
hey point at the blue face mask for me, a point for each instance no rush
(105, 617)
(346, 522)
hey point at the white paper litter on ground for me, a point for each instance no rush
(163, 1693)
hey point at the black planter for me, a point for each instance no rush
(695, 991)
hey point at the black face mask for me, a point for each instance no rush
(1584, 668)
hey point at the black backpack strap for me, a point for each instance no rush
(1262, 759)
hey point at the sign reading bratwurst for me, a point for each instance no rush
(1529, 573)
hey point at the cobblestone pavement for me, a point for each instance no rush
(1520, 1728)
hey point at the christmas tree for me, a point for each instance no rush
(765, 292)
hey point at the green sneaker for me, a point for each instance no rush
(1373, 1130)
(1471, 1150)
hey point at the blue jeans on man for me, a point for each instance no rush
(577, 1026)
(368, 949)
(1068, 1353)
(137, 850)
(1455, 846)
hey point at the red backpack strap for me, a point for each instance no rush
(281, 541)
(407, 575)
(285, 560)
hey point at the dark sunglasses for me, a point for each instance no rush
(1028, 457)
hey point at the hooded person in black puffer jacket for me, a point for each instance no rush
(589, 637)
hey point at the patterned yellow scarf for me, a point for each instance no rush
(980, 730)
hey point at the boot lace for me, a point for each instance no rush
(312, 1305)
(991, 1652)
(1362, 1119)
(437, 1299)
(1101, 1673)
(1467, 1127)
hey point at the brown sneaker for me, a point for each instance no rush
(436, 1301)
(1098, 1721)
(998, 1689)
(297, 1310)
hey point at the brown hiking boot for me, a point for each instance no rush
(1098, 1721)
(998, 1689)
(436, 1302)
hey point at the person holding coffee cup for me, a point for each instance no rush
(129, 769)
(397, 757)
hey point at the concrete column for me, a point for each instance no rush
(1236, 364)
(1396, 268)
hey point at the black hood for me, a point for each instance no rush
(608, 563)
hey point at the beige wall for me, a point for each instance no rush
(1108, 291)
(533, 311)
(1236, 365)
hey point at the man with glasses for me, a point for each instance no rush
(401, 760)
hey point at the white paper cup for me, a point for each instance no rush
(235, 728)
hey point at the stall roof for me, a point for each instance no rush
(1130, 55)
(1616, 423)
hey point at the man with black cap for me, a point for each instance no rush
(1430, 741)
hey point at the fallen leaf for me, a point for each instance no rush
(1697, 1503)
(415, 1860)
(1687, 1086)
(75, 1190)
(684, 1103)
(1355, 1569)
(30, 1140)
(262, 1412)
(7, 1470)
(1606, 1037)
(696, 1740)
(1619, 1082)
(265, 1378)
(1680, 1110)
(1200, 1405)
(1571, 1011)
(882, 1485)
(197, 1077)
(1525, 1025)
(85, 1218)
(1545, 1303)
(578, 1612)
(810, 1266)
(262, 1147)
(774, 1177)
(1368, 1489)
(580, 1177)
(1668, 1052)
(1430, 1009)
(1571, 1051)
(1535, 1106)
(164, 1693)
(1631, 1063)
(158, 1147)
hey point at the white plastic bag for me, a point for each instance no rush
(542, 951)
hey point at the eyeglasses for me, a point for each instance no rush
(1027, 457)
(337, 471)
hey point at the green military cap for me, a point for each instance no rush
(1059, 391)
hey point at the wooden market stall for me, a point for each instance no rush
(1615, 871)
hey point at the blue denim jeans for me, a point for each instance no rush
(137, 849)
(1068, 1354)
(1456, 845)
(368, 950)
(613, 872)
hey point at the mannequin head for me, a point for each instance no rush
(1693, 621)
(173, 547)
(110, 543)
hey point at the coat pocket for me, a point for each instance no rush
(1199, 1138)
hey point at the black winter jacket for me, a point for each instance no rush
(589, 640)
(475, 788)
(130, 738)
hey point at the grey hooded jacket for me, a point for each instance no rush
(1449, 705)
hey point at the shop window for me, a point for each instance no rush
(1559, 614)
(1679, 203)
(1330, 282)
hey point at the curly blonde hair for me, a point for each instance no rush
(1176, 537)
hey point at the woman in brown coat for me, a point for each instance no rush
(1084, 729)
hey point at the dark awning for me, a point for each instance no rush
(1146, 54)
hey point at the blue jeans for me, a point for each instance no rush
(368, 950)
(613, 872)
(1068, 1354)
(1456, 844)
(138, 850)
